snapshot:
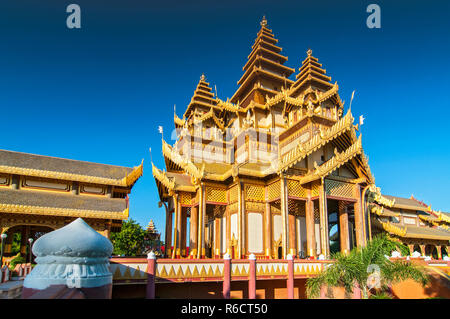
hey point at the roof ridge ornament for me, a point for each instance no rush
(309, 52)
(263, 21)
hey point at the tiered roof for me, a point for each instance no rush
(66, 169)
(311, 76)
(265, 61)
(203, 96)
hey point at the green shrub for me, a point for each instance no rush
(381, 295)
(15, 261)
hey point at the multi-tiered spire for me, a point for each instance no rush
(311, 76)
(264, 72)
(203, 97)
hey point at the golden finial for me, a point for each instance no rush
(203, 77)
(309, 52)
(263, 21)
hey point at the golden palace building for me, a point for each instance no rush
(41, 193)
(277, 169)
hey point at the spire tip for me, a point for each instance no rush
(263, 21)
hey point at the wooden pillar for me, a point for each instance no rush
(343, 228)
(411, 248)
(24, 240)
(323, 220)
(241, 225)
(183, 214)
(179, 227)
(267, 229)
(201, 231)
(151, 271)
(168, 241)
(439, 251)
(290, 280)
(292, 237)
(8, 243)
(252, 277)
(108, 228)
(310, 226)
(226, 276)
(284, 216)
(193, 231)
(228, 235)
(176, 229)
(422, 249)
(359, 225)
(217, 236)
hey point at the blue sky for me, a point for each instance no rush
(100, 92)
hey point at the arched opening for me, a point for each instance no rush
(444, 251)
(417, 248)
(431, 250)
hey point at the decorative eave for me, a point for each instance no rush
(437, 218)
(67, 212)
(126, 181)
(380, 199)
(278, 65)
(183, 162)
(178, 122)
(162, 178)
(334, 163)
(267, 73)
(301, 151)
(131, 178)
(381, 212)
(227, 105)
(395, 230)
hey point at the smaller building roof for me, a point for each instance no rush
(406, 203)
(52, 203)
(60, 168)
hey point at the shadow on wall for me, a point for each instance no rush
(439, 286)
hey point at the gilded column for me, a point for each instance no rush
(217, 235)
(193, 231)
(358, 218)
(292, 237)
(310, 225)
(201, 220)
(241, 221)
(183, 214)
(228, 235)
(175, 251)
(267, 227)
(343, 228)
(284, 215)
(323, 220)
(168, 242)
(8, 243)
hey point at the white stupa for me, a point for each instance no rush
(74, 255)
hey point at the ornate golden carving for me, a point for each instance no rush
(254, 193)
(217, 195)
(295, 188)
(300, 152)
(274, 190)
(339, 189)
